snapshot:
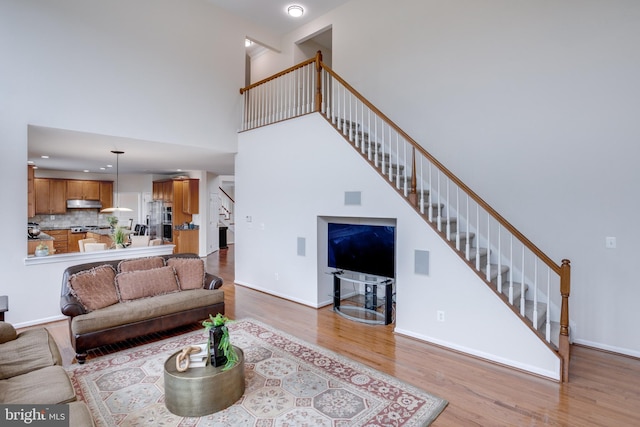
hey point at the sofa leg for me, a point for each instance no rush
(81, 358)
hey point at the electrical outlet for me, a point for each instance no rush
(610, 242)
(440, 315)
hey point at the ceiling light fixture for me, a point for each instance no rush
(117, 207)
(295, 11)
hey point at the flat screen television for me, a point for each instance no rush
(361, 248)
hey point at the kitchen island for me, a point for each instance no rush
(32, 243)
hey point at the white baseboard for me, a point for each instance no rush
(554, 375)
(606, 347)
(39, 321)
(279, 295)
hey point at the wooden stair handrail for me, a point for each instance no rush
(451, 176)
(563, 271)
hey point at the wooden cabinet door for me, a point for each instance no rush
(157, 191)
(186, 241)
(41, 188)
(50, 196)
(72, 243)
(74, 189)
(31, 192)
(78, 189)
(58, 196)
(106, 194)
(190, 196)
(90, 190)
(167, 191)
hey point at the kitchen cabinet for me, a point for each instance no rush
(190, 196)
(50, 196)
(31, 192)
(157, 190)
(80, 189)
(72, 241)
(60, 240)
(33, 244)
(106, 193)
(186, 241)
(168, 191)
(101, 238)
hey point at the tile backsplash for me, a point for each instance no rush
(78, 217)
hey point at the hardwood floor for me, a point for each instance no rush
(604, 388)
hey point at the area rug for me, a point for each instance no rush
(288, 383)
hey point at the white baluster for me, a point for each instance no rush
(467, 248)
(499, 259)
(511, 269)
(535, 293)
(448, 225)
(488, 276)
(457, 219)
(548, 325)
(430, 195)
(478, 234)
(522, 290)
(439, 216)
(421, 187)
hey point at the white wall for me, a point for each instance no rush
(285, 204)
(157, 70)
(534, 105)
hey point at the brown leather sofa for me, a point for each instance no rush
(31, 373)
(133, 312)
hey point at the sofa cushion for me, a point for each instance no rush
(32, 350)
(7, 332)
(148, 263)
(94, 288)
(190, 272)
(29, 388)
(144, 309)
(146, 283)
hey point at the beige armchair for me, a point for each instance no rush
(82, 242)
(138, 241)
(90, 247)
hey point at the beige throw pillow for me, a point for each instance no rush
(146, 283)
(190, 272)
(94, 288)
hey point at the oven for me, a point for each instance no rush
(167, 232)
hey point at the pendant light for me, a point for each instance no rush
(117, 207)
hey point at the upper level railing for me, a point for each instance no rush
(495, 249)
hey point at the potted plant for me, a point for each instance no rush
(113, 221)
(119, 236)
(221, 350)
(42, 250)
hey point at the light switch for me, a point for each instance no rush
(610, 242)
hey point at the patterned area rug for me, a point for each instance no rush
(288, 383)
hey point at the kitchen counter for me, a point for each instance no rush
(41, 236)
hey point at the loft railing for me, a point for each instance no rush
(226, 207)
(534, 285)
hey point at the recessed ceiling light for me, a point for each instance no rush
(44, 157)
(103, 169)
(35, 167)
(86, 170)
(109, 166)
(295, 11)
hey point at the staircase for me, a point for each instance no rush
(525, 278)
(435, 213)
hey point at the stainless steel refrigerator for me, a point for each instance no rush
(154, 219)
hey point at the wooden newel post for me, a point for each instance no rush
(414, 180)
(565, 291)
(318, 81)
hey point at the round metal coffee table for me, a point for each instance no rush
(201, 391)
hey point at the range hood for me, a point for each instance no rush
(83, 204)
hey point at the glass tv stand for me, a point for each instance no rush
(368, 305)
